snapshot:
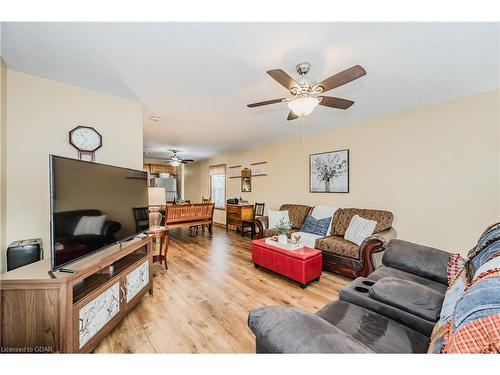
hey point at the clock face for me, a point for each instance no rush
(84, 138)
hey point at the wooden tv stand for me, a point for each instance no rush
(72, 312)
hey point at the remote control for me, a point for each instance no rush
(67, 270)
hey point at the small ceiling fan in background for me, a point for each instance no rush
(174, 160)
(306, 92)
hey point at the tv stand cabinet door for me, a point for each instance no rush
(97, 317)
(137, 282)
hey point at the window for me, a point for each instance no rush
(218, 191)
(218, 185)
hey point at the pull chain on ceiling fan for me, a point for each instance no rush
(306, 93)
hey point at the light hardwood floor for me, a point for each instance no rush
(201, 303)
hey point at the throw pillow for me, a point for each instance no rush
(359, 229)
(322, 212)
(475, 326)
(276, 216)
(314, 226)
(490, 235)
(488, 252)
(90, 225)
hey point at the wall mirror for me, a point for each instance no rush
(246, 180)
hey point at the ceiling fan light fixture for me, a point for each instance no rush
(303, 106)
(175, 163)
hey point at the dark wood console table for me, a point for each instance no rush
(72, 312)
(236, 213)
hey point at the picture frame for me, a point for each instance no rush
(329, 172)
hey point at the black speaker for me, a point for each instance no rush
(23, 252)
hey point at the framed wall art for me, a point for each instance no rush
(329, 172)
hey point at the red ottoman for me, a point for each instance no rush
(302, 265)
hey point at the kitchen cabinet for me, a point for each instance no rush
(160, 168)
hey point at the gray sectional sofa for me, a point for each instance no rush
(394, 309)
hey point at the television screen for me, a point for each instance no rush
(92, 206)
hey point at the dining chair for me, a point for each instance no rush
(258, 210)
(141, 218)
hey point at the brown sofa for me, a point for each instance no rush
(340, 255)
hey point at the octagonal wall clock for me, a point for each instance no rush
(86, 140)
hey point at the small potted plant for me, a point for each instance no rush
(282, 228)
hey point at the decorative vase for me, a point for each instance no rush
(327, 186)
(154, 217)
(282, 239)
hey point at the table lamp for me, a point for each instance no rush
(156, 199)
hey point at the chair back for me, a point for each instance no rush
(141, 218)
(189, 212)
(258, 210)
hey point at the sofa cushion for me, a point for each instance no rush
(343, 217)
(316, 226)
(338, 246)
(380, 334)
(290, 330)
(297, 213)
(424, 261)
(384, 271)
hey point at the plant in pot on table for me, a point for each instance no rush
(282, 229)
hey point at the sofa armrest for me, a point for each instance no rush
(372, 245)
(291, 330)
(385, 236)
(408, 296)
(420, 260)
(261, 222)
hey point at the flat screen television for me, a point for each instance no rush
(92, 207)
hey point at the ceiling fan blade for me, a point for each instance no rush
(339, 79)
(330, 101)
(283, 78)
(188, 160)
(292, 116)
(265, 103)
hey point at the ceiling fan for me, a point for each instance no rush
(306, 92)
(175, 160)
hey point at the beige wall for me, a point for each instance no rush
(40, 113)
(436, 168)
(195, 175)
(3, 157)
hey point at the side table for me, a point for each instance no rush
(162, 234)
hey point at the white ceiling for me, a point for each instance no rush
(199, 76)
